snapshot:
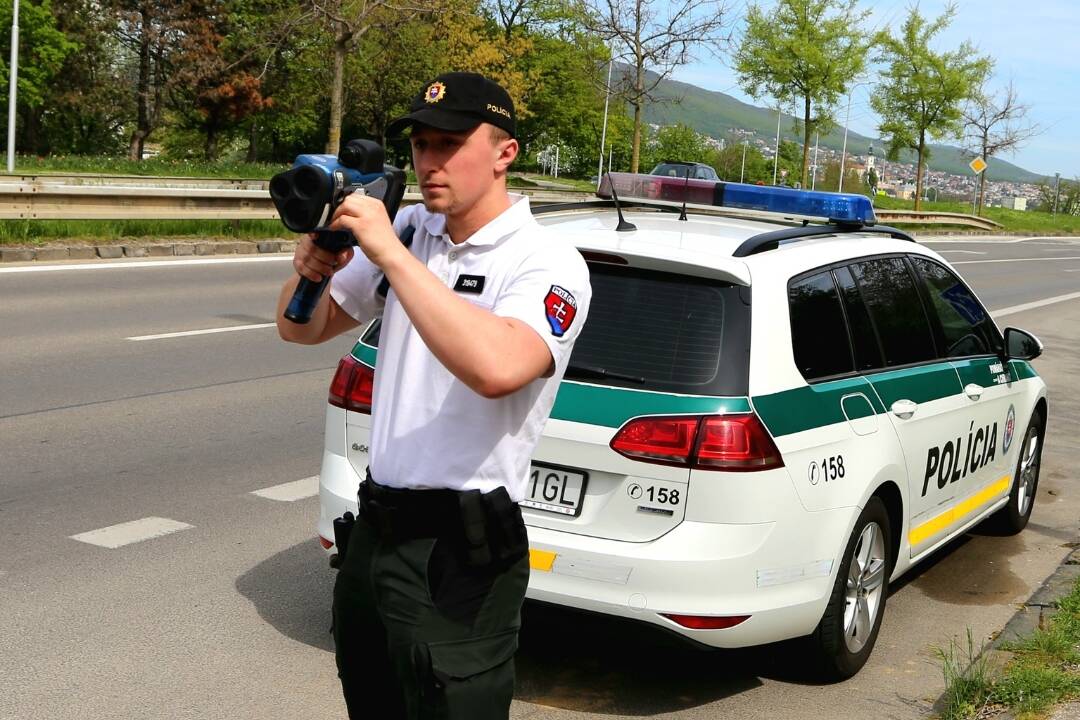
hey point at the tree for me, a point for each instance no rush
(805, 53)
(653, 45)
(676, 142)
(922, 92)
(994, 123)
(44, 48)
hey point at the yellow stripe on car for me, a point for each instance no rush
(959, 511)
(541, 559)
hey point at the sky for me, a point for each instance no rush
(1032, 43)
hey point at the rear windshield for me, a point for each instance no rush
(664, 332)
(659, 331)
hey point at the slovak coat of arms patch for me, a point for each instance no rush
(561, 307)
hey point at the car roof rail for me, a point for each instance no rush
(772, 240)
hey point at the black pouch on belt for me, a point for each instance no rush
(474, 524)
(509, 539)
(342, 529)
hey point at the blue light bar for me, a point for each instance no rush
(842, 208)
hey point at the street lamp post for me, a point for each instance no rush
(742, 171)
(1057, 190)
(12, 86)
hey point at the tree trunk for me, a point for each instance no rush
(333, 139)
(210, 149)
(639, 90)
(919, 171)
(806, 139)
(142, 91)
(253, 143)
(982, 189)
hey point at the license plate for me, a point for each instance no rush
(555, 489)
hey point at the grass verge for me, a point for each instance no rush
(36, 233)
(1044, 670)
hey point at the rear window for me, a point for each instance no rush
(663, 331)
(819, 335)
(659, 331)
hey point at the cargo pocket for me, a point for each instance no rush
(472, 679)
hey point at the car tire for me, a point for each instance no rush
(846, 634)
(1013, 518)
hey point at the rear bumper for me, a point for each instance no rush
(706, 569)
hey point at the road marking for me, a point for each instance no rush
(967, 252)
(142, 264)
(1007, 260)
(1032, 305)
(291, 491)
(135, 531)
(207, 331)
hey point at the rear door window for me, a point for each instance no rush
(819, 336)
(965, 324)
(864, 337)
(896, 310)
(663, 331)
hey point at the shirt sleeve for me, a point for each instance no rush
(354, 287)
(550, 292)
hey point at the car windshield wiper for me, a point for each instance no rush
(594, 371)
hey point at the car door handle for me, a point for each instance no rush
(904, 409)
(973, 391)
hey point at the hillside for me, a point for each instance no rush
(715, 114)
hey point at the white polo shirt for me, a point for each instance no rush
(429, 429)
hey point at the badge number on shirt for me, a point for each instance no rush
(470, 284)
(561, 307)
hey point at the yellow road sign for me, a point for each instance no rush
(977, 165)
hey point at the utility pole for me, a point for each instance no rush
(813, 178)
(12, 84)
(742, 171)
(776, 156)
(1057, 190)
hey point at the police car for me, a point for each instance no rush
(775, 408)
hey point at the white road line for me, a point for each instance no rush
(1032, 305)
(291, 491)
(207, 331)
(966, 252)
(142, 264)
(1008, 260)
(135, 531)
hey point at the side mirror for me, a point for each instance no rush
(1021, 345)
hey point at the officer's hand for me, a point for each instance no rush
(365, 217)
(314, 263)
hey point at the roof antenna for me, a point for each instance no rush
(685, 192)
(623, 226)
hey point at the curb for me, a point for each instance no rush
(1031, 616)
(139, 250)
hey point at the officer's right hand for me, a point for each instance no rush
(314, 263)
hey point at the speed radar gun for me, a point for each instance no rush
(307, 194)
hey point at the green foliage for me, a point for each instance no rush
(803, 54)
(922, 92)
(42, 50)
(968, 683)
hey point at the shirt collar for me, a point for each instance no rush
(508, 221)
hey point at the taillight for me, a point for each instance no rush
(707, 622)
(713, 442)
(352, 386)
(736, 442)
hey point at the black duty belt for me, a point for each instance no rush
(488, 526)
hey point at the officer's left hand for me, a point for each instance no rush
(366, 218)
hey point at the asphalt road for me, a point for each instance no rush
(224, 613)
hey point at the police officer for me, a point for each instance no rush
(483, 308)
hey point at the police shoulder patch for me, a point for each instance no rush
(560, 308)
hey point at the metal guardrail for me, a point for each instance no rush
(83, 197)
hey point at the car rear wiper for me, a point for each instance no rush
(595, 371)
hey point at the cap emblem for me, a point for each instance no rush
(435, 92)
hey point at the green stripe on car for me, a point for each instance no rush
(611, 406)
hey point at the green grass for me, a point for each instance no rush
(1044, 670)
(101, 165)
(45, 232)
(1013, 221)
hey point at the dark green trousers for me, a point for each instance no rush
(420, 635)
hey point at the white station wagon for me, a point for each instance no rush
(775, 408)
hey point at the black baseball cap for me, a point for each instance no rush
(459, 101)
